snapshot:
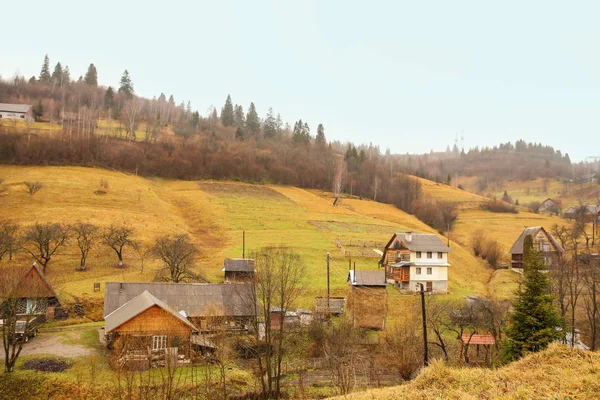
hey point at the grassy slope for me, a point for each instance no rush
(215, 214)
(565, 373)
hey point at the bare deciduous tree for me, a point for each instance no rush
(591, 300)
(131, 114)
(33, 187)
(339, 346)
(86, 235)
(117, 238)
(337, 182)
(9, 238)
(179, 255)
(403, 348)
(43, 240)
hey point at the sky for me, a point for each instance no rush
(405, 75)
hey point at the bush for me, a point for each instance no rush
(477, 242)
(534, 206)
(33, 187)
(498, 206)
(493, 252)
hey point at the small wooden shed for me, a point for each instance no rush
(367, 301)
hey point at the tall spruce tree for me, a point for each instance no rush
(109, 98)
(239, 118)
(252, 121)
(320, 139)
(45, 76)
(527, 249)
(270, 125)
(66, 76)
(126, 85)
(227, 114)
(57, 74)
(534, 320)
(91, 76)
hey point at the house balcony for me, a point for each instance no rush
(404, 257)
(400, 276)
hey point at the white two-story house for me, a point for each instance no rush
(412, 258)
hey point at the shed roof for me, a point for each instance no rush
(478, 339)
(18, 108)
(135, 307)
(421, 242)
(336, 305)
(517, 247)
(238, 265)
(196, 299)
(367, 278)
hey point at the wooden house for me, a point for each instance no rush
(238, 270)
(207, 306)
(542, 241)
(16, 112)
(551, 206)
(368, 298)
(413, 258)
(146, 332)
(36, 294)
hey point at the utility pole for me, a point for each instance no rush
(243, 244)
(425, 355)
(328, 292)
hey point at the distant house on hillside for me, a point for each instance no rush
(36, 294)
(590, 211)
(16, 112)
(551, 206)
(238, 270)
(411, 258)
(542, 241)
(368, 299)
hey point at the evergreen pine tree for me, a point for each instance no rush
(527, 249)
(534, 319)
(320, 139)
(32, 80)
(252, 121)
(238, 116)
(239, 133)
(91, 76)
(227, 114)
(57, 74)
(45, 76)
(270, 125)
(109, 98)
(38, 110)
(66, 76)
(126, 86)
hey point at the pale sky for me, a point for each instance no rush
(404, 75)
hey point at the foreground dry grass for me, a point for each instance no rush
(556, 373)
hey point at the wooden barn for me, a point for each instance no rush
(16, 112)
(551, 206)
(238, 270)
(367, 301)
(146, 332)
(36, 294)
(542, 241)
(208, 306)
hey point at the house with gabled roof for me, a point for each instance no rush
(36, 294)
(416, 258)
(16, 112)
(551, 206)
(543, 241)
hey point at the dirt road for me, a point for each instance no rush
(54, 343)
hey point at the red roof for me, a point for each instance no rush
(478, 339)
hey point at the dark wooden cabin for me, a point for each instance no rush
(238, 270)
(542, 241)
(367, 301)
(36, 294)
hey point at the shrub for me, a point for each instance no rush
(477, 241)
(493, 252)
(534, 206)
(33, 187)
(498, 206)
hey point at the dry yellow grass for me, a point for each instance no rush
(556, 373)
(442, 192)
(214, 214)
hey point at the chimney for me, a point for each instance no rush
(408, 237)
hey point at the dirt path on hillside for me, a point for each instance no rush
(53, 343)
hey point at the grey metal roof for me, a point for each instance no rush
(517, 247)
(238, 265)
(196, 299)
(135, 307)
(367, 278)
(422, 242)
(18, 108)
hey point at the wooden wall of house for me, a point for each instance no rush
(368, 307)
(33, 286)
(156, 321)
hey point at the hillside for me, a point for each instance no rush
(566, 374)
(215, 214)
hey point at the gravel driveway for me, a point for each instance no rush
(53, 343)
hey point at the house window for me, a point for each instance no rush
(159, 342)
(31, 306)
(429, 254)
(440, 255)
(546, 247)
(428, 271)
(418, 271)
(418, 254)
